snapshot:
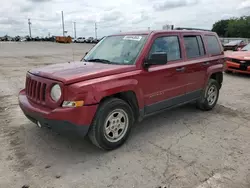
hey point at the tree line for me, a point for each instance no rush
(233, 27)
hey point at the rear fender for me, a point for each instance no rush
(211, 70)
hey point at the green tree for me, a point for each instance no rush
(239, 27)
(233, 27)
(220, 27)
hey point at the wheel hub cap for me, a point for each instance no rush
(212, 95)
(116, 125)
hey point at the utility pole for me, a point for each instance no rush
(75, 29)
(95, 31)
(148, 28)
(63, 23)
(29, 27)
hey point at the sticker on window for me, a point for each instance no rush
(137, 38)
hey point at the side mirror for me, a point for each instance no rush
(157, 58)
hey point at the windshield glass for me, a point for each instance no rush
(246, 48)
(117, 50)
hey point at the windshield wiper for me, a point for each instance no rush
(99, 60)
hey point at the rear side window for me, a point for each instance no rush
(213, 45)
(194, 46)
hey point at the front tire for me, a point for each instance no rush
(112, 124)
(210, 96)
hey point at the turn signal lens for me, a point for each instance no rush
(72, 103)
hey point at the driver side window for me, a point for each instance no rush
(169, 44)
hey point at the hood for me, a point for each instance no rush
(79, 71)
(242, 55)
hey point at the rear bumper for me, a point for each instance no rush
(235, 67)
(60, 119)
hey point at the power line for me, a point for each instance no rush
(75, 29)
(63, 23)
(29, 27)
(95, 31)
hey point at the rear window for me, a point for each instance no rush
(213, 45)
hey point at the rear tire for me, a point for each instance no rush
(112, 124)
(209, 96)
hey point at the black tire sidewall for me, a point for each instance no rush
(101, 118)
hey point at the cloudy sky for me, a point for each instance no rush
(113, 16)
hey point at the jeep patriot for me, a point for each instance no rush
(121, 80)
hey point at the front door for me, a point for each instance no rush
(166, 84)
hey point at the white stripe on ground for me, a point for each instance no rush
(212, 182)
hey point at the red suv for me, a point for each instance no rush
(125, 78)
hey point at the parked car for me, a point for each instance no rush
(23, 39)
(80, 40)
(238, 61)
(95, 41)
(234, 45)
(141, 73)
(7, 38)
(90, 40)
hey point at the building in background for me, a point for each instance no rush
(168, 27)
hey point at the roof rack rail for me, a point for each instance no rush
(185, 28)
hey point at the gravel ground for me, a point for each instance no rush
(183, 147)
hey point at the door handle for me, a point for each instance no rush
(206, 63)
(180, 69)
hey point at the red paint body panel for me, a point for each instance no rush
(69, 73)
(91, 82)
(80, 116)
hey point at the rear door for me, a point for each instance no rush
(196, 64)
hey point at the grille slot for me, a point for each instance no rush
(247, 62)
(35, 91)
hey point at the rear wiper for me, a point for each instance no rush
(99, 60)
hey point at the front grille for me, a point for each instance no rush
(247, 62)
(35, 90)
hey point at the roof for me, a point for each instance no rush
(162, 31)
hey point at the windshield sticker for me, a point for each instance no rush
(137, 38)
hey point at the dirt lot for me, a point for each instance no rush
(183, 147)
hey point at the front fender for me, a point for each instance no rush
(112, 87)
(93, 91)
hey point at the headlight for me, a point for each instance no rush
(56, 92)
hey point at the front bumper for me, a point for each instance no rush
(236, 67)
(60, 119)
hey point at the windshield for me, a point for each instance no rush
(246, 48)
(117, 50)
